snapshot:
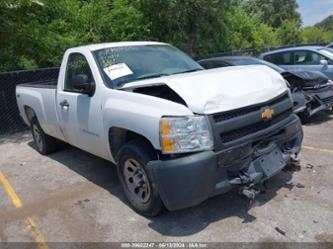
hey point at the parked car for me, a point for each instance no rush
(306, 58)
(330, 45)
(312, 91)
(177, 133)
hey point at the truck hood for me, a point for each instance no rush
(222, 89)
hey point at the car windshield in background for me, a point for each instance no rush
(253, 61)
(328, 52)
(121, 65)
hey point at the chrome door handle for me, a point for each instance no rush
(64, 104)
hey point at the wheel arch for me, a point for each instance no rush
(29, 113)
(119, 136)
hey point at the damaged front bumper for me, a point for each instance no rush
(189, 180)
(319, 101)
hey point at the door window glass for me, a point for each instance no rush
(77, 64)
(307, 58)
(280, 58)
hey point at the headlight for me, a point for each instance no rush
(185, 134)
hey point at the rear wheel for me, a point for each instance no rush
(136, 180)
(45, 144)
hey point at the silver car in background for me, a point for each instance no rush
(305, 58)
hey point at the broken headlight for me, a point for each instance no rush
(185, 134)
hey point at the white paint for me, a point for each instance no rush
(223, 89)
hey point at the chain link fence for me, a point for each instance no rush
(10, 120)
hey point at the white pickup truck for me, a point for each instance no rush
(177, 133)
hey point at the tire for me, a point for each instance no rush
(45, 144)
(136, 181)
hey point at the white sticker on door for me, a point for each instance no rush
(117, 71)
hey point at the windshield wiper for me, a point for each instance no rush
(143, 77)
(189, 71)
(150, 76)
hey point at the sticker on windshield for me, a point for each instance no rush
(117, 71)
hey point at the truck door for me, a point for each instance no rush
(79, 113)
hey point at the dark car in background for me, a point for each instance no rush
(312, 91)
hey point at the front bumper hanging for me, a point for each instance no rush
(189, 180)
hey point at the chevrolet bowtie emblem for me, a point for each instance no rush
(267, 114)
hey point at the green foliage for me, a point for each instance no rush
(247, 31)
(274, 12)
(326, 24)
(35, 33)
(289, 33)
(311, 35)
(38, 32)
(196, 26)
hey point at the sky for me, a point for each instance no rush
(314, 11)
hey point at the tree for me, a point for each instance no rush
(247, 31)
(316, 35)
(326, 24)
(289, 33)
(35, 33)
(274, 12)
(196, 26)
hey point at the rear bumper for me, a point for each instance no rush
(189, 180)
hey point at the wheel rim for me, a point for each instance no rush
(136, 180)
(38, 137)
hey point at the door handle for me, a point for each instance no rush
(64, 104)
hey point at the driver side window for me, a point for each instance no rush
(307, 58)
(76, 65)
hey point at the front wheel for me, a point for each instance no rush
(136, 180)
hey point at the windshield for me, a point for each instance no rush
(120, 65)
(328, 52)
(254, 61)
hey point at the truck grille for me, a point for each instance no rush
(233, 125)
(242, 132)
(219, 117)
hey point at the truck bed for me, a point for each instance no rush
(40, 96)
(41, 84)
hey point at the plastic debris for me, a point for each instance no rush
(280, 231)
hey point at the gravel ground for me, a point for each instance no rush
(76, 197)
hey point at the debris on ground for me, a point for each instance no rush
(299, 185)
(280, 231)
(293, 165)
(309, 166)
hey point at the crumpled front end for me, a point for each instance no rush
(319, 98)
(251, 145)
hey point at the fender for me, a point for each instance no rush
(138, 113)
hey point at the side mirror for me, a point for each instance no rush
(324, 63)
(81, 83)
